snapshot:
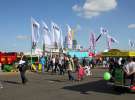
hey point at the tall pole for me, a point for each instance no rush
(31, 40)
(43, 48)
(98, 37)
(108, 42)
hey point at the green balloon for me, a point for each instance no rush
(107, 76)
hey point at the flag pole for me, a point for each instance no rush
(98, 37)
(31, 56)
(44, 49)
(107, 42)
(31, 40)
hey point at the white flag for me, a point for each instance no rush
(61, 39)
(69, 40)
(111, 40)
(46, 34)
(92, 41)
(103, 31)
(131, 44)
(55, 34)
(35, 32)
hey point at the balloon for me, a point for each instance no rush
(107, 76)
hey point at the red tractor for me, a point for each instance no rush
(7, 58)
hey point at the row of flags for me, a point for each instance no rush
(103, 31)
(110, 40)
(53, 38)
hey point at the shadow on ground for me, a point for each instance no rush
(56, 80)
(96, 86)
(11, 82)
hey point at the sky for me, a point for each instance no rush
(84, 16)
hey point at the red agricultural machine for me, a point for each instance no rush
(7, 59)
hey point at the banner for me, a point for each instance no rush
(69, 37)
(55, 34)
(35, 32)
(61, 39)
(46, 34)
(103, 31)
(92, 41)
(131, 44)
(110, 40)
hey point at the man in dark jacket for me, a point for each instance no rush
(23, 67)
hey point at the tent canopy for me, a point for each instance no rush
(118, 53)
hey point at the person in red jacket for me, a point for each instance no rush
(80, 72)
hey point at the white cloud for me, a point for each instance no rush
(131, 26)
(76, 8)
(93, 8)
(22, 37)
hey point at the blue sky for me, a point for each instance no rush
(85, 16)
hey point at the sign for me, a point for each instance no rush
(38, 51)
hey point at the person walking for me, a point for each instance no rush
(42, 62)
(80, 72)
(70, 69)
(49, 63)
(87, 70)
(53, 64)
(129, 70)
(23, 67)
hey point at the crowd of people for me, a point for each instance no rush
(61, 64)
(77, 68)
(65, 63)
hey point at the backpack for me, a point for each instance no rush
(22, 67)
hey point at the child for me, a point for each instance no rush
(87, 70)
(80, 72)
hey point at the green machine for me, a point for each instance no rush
(119, 79)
